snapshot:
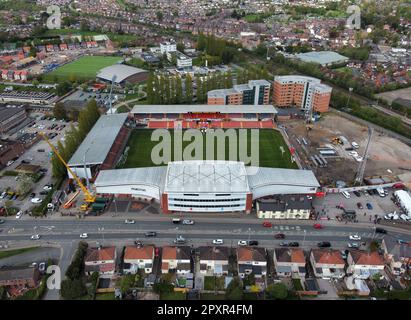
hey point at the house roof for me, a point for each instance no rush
(214, 253)
(289, 255)
(174, 253)
(366, 258)
(250, 254)
(397, 250)
(100, 254)
(144, 253)
(328, 256)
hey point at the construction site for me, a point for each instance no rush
(335, 147)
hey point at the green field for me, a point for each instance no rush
(270, 155)
(10, 253)
(83, 68)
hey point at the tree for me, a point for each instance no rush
(277, 291)
(188, 89)
(159, 15)
(234, 290)
(180, 47)
(126, 283)
(179, 90)
(59, 112)
(63, 88)
(73, 289)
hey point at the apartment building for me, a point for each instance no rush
(306, 93)
(168, 46)
(255, 92)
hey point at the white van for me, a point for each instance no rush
(355, 145)
(346, 194)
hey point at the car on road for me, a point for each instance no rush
(359, 205)
(380, 230)
(176, 220)
(353, 245)
(1, 221)
(35, 237)
(188, 222)
(242, 242)
(179, 240)
(357, 193)
(324, 244)
(83, 236)
(279, 236)
(267, 224)
(289, 244)
(402, 241)
(19, 214)
(128, 221)
(150, 234)
(369, 206)
(138, 243)
(252, 243)
(317, 226)
(218, 241)
(355, 237)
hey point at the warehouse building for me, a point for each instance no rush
(101, 148)
(10, 117)
(123, 74)
(205, 186)
(323, 58)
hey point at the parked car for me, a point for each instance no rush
(179, 240)
(317, 226)
(253, 243)
(279, 236)
(404, 217)
(218, 241)
(19, 214)
(1, 221)
(355, 237)
(83, 236)
(138, 243)
(150, 234)
(188, 222)
(242, 243)
(42, 267)
(399, 185)
(36, 200)
(9, 163)
(47, 187)
(353, 245)
(359, 205)
(346, 194)
(380, 230)
(357, 193)
(267, 224)
(324, 244)
(369, 206)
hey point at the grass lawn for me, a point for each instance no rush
(270, 141)
(173, 296)
(210, 283)
(9, 253)
(105, 296)
(83, 68)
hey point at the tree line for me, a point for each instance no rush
(86, 120)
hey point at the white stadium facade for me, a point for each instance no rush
(205, 186)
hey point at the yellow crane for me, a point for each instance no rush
(88, 197)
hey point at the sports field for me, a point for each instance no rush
(270, 154)
(84, 67)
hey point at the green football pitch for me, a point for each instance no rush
(84, 67)
(271, 147)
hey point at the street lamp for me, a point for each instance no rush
(305, 232)
(249, 234)
(102, 232)
(349, 96)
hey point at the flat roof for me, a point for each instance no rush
(206, 176)
(120, 70)
(321, 57)
(260, 176)
(148, 176)
(7, 112)
(99, 140)
(177, 108)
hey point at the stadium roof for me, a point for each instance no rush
(147, 176)
(120, 70)
(274, 176)
(144, 109)
(206, 176)
(322, 57)
(99, 140)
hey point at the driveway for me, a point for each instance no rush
(326, 285)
